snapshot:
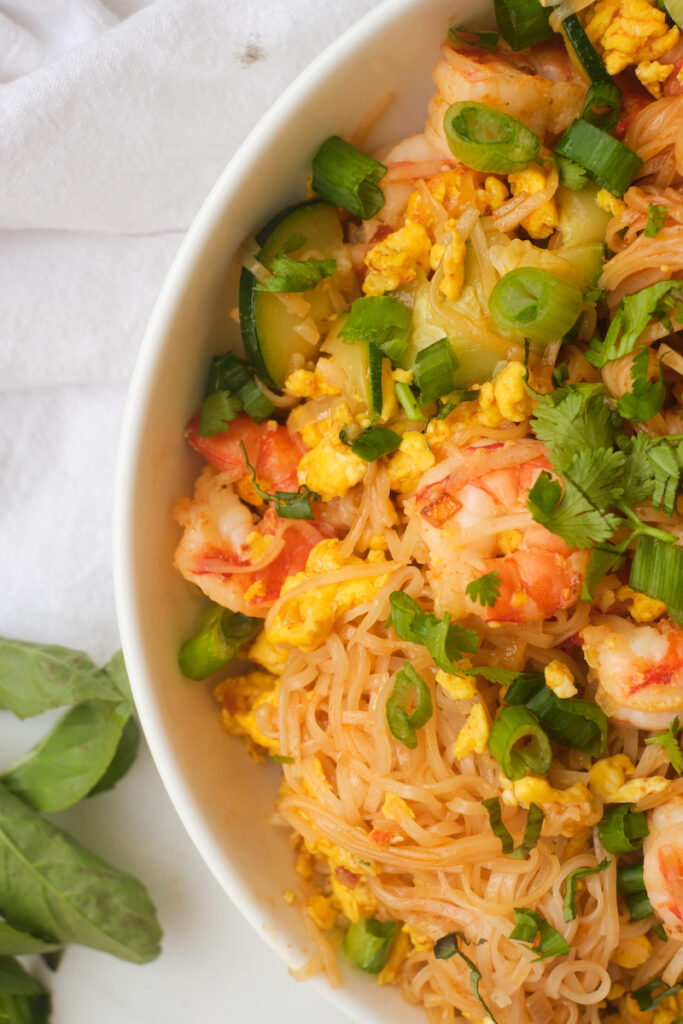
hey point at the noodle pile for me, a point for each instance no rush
(389, 832)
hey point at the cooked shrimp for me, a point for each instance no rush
(475, 521)
(663, 865)
(223, 541)
(639, 669)
(539, 88)
(272, 451)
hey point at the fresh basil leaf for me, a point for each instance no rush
(123, 760)
(52, 885)
(17, 943)
(37, 677)
(72, 758)
(117, 672)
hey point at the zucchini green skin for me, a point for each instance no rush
(585, 51)
(257, 307)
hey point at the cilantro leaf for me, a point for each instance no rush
(444, 640)
(574, 420)
(572, 175)
(602, 561)
(669, 741)
(485, 589)
(290, 275)
(287, 504)
(638, 478)
(570, 515)
(656, 216)
(646, 397)
(630, 320)
(596, 473)
(665, 455)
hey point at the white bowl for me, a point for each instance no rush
(222, 797)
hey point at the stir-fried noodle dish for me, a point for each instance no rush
(440, 521)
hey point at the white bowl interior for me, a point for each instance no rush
(222, 797)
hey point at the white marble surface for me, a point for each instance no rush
(116, 117)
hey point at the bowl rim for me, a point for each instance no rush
(323, 66)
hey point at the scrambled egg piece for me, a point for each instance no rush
(607, 778)
(560, 679)
(327, 426)
(311, 383)
(643, 608)
(331, 469)
(437, 433)
(321, 911)
(272, 657)
(241, 696)
(508, 541)
(409, 462)
(338, 858)
(541, 222)
(505, 398)
(651, 74)
(420, 942)
(629, 31)
(304, 865)
(444, 189)
(450, 254)
(396, 259)
(354, 902)
(396, 809)
(400, 948)
(567, 811)
(609, 202)
(458, 687)
(307, 619)
(631, 953)
(474, 735)
(492, 195)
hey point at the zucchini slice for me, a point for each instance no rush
(363, 365)
(267, 320)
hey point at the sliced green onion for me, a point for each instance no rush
(434, 369)
(348, 178)
(621, 829)
(534, 303)
(287, 504)
(669, 740)
(375, 442)
(610, 163)
(569, 721)
(487, 139)
(291, 275)
(281, 759)
(256, 405)
(523, 23)
(657, 570)
(409, 706)
(631, 887)
(532, 830)
(593, 68)
(646, 998)
(569, 901)
(405, 395)
(518, 743)
(485, 40)
(218, 410)
(220, 635)
(444, 640)
(524, 686)
(368, 942)
(382, 320)
(603, 102)
(639, 906)
(658, 930)
(447, 947)
(227, 373)
(529, 924)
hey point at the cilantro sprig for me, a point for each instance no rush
(288, 504)
(646, 397)
(599, 475)
(669, 740)
(485, 589)
(660, 301)
(292, 275)
(445, 641)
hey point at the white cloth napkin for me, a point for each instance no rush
(116, 117)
